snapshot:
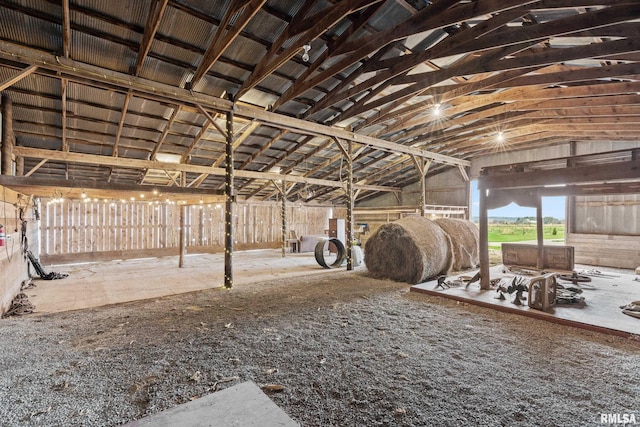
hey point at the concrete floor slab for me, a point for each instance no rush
(243, 405)
(97, 284)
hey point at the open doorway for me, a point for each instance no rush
(513, 223)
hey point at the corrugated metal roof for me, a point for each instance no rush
(30, 31)
(107, 35)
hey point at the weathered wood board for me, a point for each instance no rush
(525, 255)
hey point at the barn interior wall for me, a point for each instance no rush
(447, 189)
(613, 214)
(77, 230)
(605, 229)
(13, 263)
(510, 157)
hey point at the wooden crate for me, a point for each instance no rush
(525, 255)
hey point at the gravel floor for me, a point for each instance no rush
(349, 350)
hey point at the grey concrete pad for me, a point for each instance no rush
(114, 282)
(241, 405)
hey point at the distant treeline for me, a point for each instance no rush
(521, 220)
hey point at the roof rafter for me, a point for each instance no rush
(156, 11)
(271, 61)
(243, 11)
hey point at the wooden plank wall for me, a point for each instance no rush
(606, 250)
(606, 230)
(111, 230)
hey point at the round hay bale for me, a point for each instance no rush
(412, 249)
(465, 238)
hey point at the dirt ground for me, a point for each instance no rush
(348, 349)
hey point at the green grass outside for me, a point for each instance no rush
(499, 233)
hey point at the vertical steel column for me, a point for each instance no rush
(183, 236)
(350, 202)
(484, 240)
(6, 158)
(229, 202)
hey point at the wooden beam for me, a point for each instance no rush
(485, 279)
(66, 29)
(35, 168)
(420, 81)
(425, 20)
(7, 139)
(153, 164)
(332, 48)
(183, 237)
(15, 79)
(237, 141)
(422, 167)
(405, 63)
(275, 47)
(159, 91)
(263, 148)
(165, 131)
(174, 177)
(241, 13)
(230, 200)
(44, 187)
(565, 176)
(63, 114)
(195, 141)
(539, 234)
(123, 114)
(317, 26)
(350, 204)
(154, 17)
(212, 119)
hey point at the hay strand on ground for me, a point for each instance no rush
(465, 238)
(412, 249)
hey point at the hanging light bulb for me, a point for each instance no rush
(305, 55)
(436, 110)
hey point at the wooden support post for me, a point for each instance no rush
(19, 166)
(423, 195)
(284, 220)
(570, 203)
(350, 203)
(467, 192)
(6, 157)
(484, 241)
(183, 236)
(540, 233)
(423, 168)
(229, 203)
